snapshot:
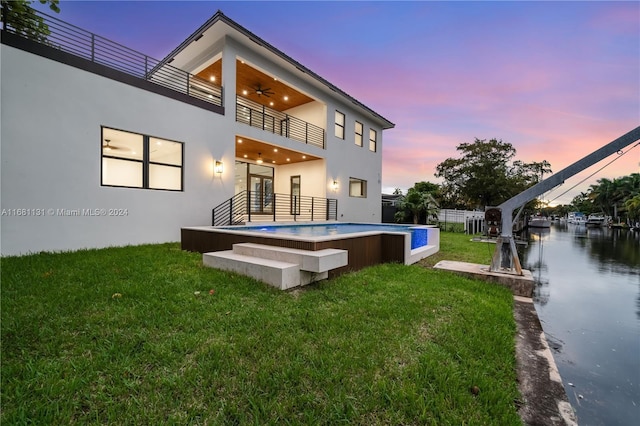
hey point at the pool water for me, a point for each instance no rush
(418, 235)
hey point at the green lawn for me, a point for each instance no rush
(134, 336)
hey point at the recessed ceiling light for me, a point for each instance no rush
(245, 156)
(304, 156)
(239, 140)
(212, 78)
(274, 161)
(275, 149)
(270, 103)
(288, 159)
(286, 98)
(244, 92)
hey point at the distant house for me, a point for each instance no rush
(102, 145)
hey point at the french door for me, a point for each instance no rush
(261, 194)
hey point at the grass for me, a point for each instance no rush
(133, 336)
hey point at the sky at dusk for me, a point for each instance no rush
(557, 80)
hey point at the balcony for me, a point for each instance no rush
(75, 41)
(271, 120)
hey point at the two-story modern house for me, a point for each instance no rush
(102, 145)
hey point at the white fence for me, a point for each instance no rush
(473, 220)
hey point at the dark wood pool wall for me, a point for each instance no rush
(363, 251)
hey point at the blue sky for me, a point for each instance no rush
(557, 80)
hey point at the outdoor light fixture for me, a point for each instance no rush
(259, 160)
(334, 185)
(218, 167)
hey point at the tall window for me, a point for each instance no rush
(373, 136)
(133, 160)
(358, 133)
(339, 125)
(357, 188)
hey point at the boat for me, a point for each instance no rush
(577, 218)
(595, 220)
(539, 222)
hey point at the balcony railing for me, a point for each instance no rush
(60, 35)
(248, 206)
(271, 120)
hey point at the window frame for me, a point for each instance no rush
(359, 136)
(363, 187)
(373, 142)
(146, 162)
(339, 126)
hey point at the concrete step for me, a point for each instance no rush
(320, 261)
(282, 275)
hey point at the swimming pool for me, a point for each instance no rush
(367, 243)
(418, 234)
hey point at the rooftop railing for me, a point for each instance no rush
(57, 34)
(274, 121)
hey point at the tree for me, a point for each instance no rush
(21, 18)
(485, 176)
(419, 199)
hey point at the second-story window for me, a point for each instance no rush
(339, 125)
(358, 133)
(373, 136)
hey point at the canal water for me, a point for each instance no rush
(588, 299)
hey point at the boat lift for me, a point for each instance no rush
(500, 219)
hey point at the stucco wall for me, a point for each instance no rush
(50, 158)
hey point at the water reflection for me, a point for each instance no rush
(587, 296)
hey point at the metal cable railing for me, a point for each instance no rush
(271, 120)
(248, 206)
(68, 38)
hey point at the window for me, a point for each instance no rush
(357, 188)
(138, 161)
(358, 133)
(373, 135)
(339, 125)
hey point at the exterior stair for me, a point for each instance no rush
(280, 267)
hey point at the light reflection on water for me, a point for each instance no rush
(588, 299)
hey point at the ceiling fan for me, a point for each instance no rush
(108, 147)
(261, 91)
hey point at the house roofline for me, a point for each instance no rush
(219, 16)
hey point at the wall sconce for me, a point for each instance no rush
(334, 185)
(218, 167)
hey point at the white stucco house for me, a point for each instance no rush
(104, 146)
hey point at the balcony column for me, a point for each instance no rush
(229, 79)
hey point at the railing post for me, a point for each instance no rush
(273, 206)
(295, 208)
(146, 67)
(93, 47)
(248, 206)
(306, 133)
(312, 207)
(188, 80)
(230, 211)
(263, 114)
